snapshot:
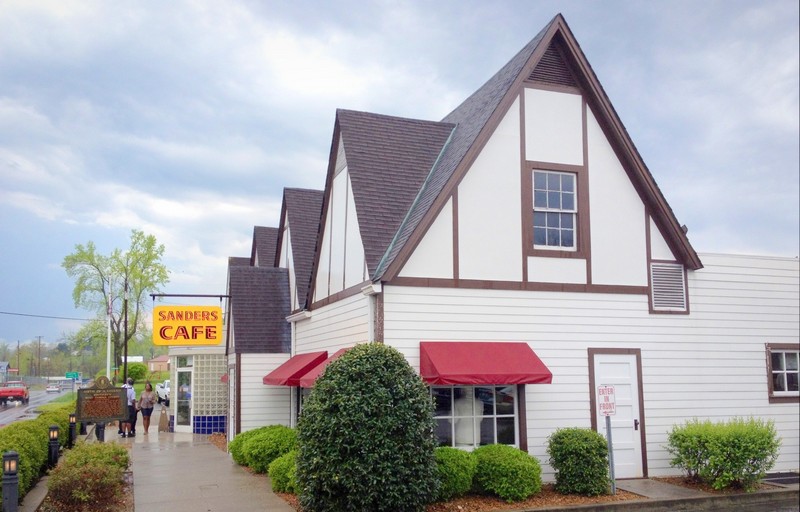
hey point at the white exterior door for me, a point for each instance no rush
(621, 372)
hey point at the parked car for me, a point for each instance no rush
(14, 390)
(162, 392)
(53, 388)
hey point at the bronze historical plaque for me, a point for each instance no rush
(102, 403)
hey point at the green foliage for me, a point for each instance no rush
(29, 439)
(88, 476)
(736, 453)
(580, 458)
(137, 371)
(507, 472)
(456, 470)
(99, 278)
(266, 445)
(366, 436)
(283, 471)
(235, 447)
(57, 414)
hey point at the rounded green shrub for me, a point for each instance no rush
(89, 473)
(266, 445)
(507, 472)
(456, 470)
(579, 457)
(366, 436)
(235, 447)
(29, 439)
(282, 472)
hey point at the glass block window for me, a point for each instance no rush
(209, 393)
(555, 209)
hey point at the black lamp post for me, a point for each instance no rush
(71, 440)
(52, 458)
(10, 481)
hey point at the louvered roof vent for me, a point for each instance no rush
(668, 287)
(552, 69)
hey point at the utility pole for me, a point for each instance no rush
(39, 356)
(125, 336)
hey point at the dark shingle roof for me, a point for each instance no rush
(259, 307)
(237, 261)
(303, 207)
(388, 159)
(265, 240)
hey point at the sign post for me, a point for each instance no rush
(607, 405)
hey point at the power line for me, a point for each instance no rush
(47, 316)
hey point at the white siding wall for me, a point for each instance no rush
(659, 250)
(337, 214)
(489, 208)
(710, 364)
(553, 122)
(341, 324)
(287, 261)
(617, 218)
(262, 405)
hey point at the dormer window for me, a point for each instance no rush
(554, 210)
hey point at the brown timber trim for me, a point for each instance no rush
(522, 415)
(592, 352)
(778, 347)
(379, 317)
(456, 254)
(525, 189)
(238, 390)
(585, 236)
(432, 282)
(348, 292)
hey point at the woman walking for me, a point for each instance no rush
(147, 401)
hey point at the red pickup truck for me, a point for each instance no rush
(14, 390)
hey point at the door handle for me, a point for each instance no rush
(636, 424)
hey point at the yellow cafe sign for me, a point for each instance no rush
(187, 325)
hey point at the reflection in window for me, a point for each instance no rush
(471, 416)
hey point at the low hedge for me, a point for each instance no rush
(735, 453)
(579, 457)
(456, 469)
(269, 443)
(88, 476)
(507, 472)
(283, 473)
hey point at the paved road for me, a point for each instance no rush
(15, 411)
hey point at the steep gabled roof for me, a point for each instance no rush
(265, 241)
(259, 305)
(477, 117)
(388, 159)
(302, 207)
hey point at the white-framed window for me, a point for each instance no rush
(471, 416)
(555, 209)
(783, 369)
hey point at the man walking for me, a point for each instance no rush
(129, 427)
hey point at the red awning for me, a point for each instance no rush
(307, 380)
(463, 362)
(289, 373)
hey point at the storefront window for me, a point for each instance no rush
(471, 416)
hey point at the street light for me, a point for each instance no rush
(10, 481)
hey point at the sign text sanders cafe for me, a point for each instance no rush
(187, 325)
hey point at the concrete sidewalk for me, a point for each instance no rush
(185, 472)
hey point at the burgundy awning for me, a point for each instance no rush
(479, 362)
(289, 373)
(307, 380)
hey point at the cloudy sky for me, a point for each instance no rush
(186, 119)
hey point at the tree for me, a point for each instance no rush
(102, 283)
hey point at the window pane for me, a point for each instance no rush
(486, 396)
(504, 400)
(553, 181)
(540, 180)
(540, 199)
(568, 201)
(554, 200)
(777, 361)
(444, 432)
(791, 361)
(568, 183)
(553, 237)
(487, 431)
(552, 220)
(540, 236)
(505, 430)
(442, 401)
(567, 238)
(539, 219)
(566, 220)
(778, 383)
(464, 404)
(792, 382)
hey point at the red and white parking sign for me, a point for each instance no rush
(606, 402)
